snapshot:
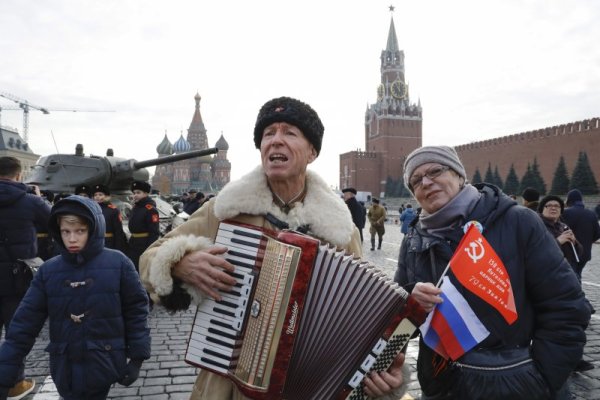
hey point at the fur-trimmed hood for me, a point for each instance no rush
(251, 195)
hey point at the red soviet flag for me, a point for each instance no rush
(479, 269)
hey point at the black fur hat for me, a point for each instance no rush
(83, 189)
(294, 112)
(102, 189)
(141, 185)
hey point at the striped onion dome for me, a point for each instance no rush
(165, 147)
(222, 143)
(181, 145)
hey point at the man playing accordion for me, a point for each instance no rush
(185, 267)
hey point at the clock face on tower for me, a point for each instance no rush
(398, 89)
(380, 91)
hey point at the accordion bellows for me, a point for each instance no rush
(305, 321)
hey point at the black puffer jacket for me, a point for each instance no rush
(20, 213)
(552, 314)
(97, 310)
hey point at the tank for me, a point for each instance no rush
(61, 173)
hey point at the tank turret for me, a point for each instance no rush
(61, 173)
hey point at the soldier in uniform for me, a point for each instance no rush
(143, 221)
(114, 237)
(83, 190)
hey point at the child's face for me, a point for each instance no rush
(74, 235)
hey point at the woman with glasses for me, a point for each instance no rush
(551, 208)
(548, 336)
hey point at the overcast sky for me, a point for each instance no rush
(481, 69)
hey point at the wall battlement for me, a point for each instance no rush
(587, 125)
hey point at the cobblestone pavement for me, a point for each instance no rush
(166, 376)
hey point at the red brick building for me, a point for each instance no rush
(546, 145)
(393, 128)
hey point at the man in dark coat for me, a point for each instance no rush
(531, 198)
(115, 236)
(194, 203)
(583, 223)
(356, 210)
(143, 222)
(20, 213)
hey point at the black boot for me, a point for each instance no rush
(372, 244)
(379, 247)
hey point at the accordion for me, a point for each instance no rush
(304, 321)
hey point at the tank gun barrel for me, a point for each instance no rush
(175, 157)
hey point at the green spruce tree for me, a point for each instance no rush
(489, 176)
(497, 179)
(527, 180)
(583, 177)
(476, 177)
(538, 181)
(560, 181)
(511, 186)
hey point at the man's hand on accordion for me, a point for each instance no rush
(383, 383)
(205, 270)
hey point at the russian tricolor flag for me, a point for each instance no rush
(452, 328)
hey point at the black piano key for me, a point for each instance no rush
(245, 243)
(216, 354)
(221, 333)
(235, 275)
(239, 263)
(247, 234)
(219, 342)
(227, 304)
(223, 311)
(240, 254)
(211, 362)
(220, 323)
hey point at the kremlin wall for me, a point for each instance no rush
(546, 145)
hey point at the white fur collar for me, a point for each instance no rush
(321, 206)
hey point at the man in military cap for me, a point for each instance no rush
(356, 210)
(377, 217)
(143, 221)
(83, 190)
(114, 237)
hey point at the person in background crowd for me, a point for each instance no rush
(597, 210)
(531, 198)
(96, 306)
(377, 216)
(356, 210)
(407, 216)
(20, 213)
(532, 357)
(584, 224)
(551, 207)
(144, 222)
(83, 190)
(115, 236)
(196, 200)
(186, 266)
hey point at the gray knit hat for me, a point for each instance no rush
(432, 154)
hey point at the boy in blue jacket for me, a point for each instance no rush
(96, 305)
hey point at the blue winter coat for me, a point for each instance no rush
(97, 310)
(406, 218)
(552, 313)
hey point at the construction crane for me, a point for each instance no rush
(26, 105)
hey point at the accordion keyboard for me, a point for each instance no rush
(215, 335)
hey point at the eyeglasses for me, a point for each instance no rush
(431, 173)
(552, 206)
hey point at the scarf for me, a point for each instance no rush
(452, 214)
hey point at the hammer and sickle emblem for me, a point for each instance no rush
(475, 251)
(279, 109)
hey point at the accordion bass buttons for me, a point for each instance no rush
(255, 309)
